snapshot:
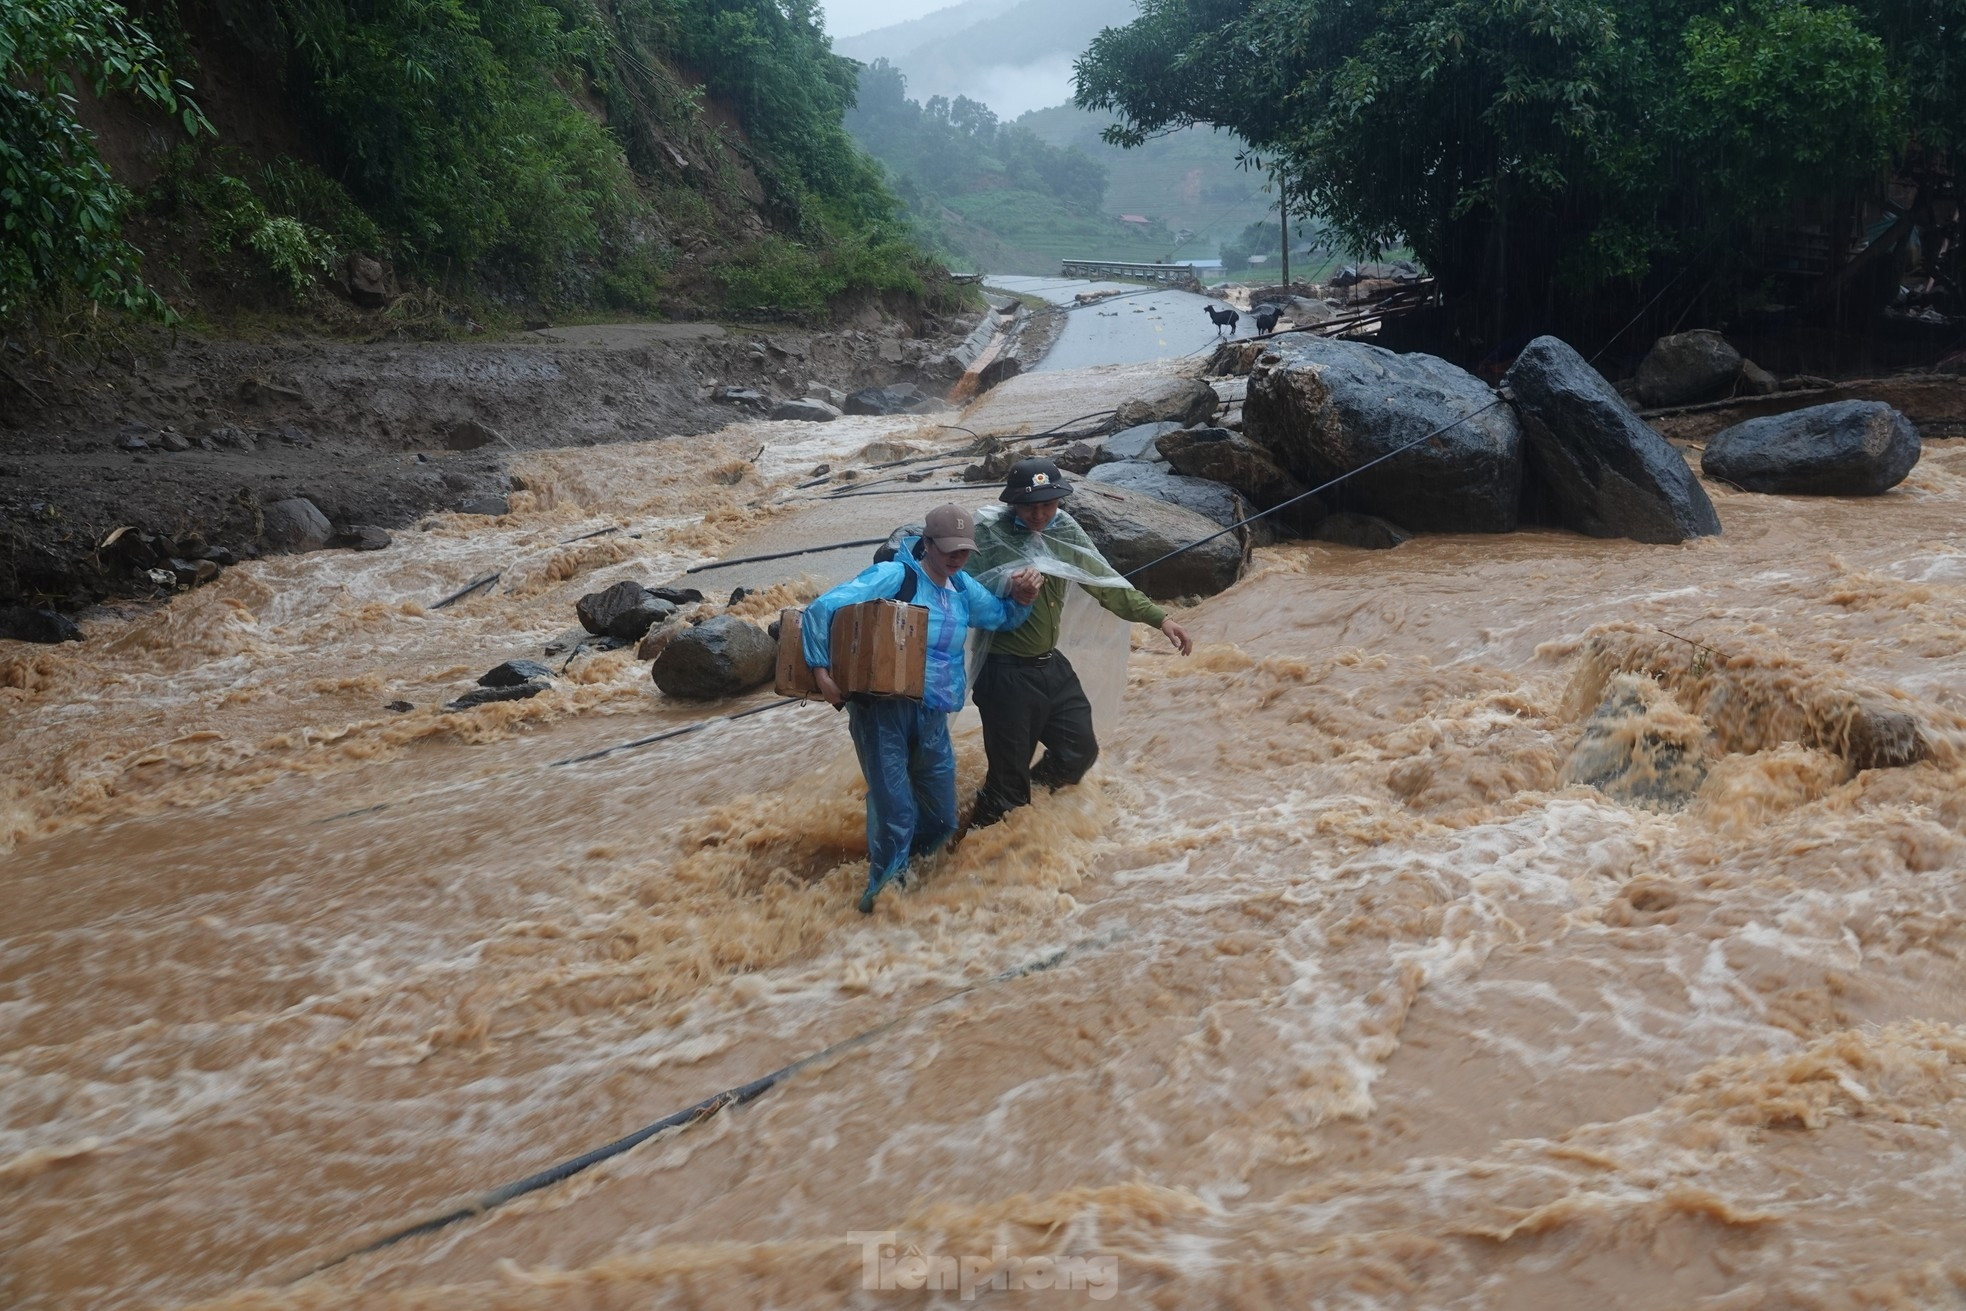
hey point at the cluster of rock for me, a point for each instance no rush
(1424, 446)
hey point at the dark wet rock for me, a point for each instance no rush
(1687, 367)
(489, 504)
(486, 695)
(296, 524)
(1602, 471)
(1076, 458)
(192, 573)
(738, 594)
(1846, 448)
(749, 398)
(20, 623)
(1757, 381)
(366, 281)
(219, 555)
(624, 611)
(568, 640)
(360, 537)
(898, 399)
(400, 707)
(1133, 529)
(1364, 531)
(1211, 500)
(1180, 401)
(1875, 737)
(806, 410)
(1325, 408)
(720, 657)
(512, 673)
(676, 595)
(131, 441)
(174, 442)
(1136, 443)
(1640, 748)
(469, 435)
(629, 625)
(1235, 461)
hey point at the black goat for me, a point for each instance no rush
(1224, 318)
(1266, 319)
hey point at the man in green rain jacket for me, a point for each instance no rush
(1027, 691)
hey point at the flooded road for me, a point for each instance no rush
(1362, 1005)
(1131, 325)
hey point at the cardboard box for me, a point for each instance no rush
(880, 648)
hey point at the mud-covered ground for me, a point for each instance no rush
(369, 432)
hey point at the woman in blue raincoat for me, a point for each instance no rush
(903, 745)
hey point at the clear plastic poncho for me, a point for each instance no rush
(1095, 640)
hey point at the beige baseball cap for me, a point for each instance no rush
(950, 528)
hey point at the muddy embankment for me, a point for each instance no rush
(183, 443)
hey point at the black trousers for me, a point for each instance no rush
(1024, 706)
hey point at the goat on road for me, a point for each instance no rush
(1224, 318)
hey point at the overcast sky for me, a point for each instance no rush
(852, 17)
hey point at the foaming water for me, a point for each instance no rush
(1496, 922)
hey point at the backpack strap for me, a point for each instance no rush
(905, 594)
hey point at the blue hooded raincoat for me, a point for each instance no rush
(903, 745)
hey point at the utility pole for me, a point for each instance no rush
(1283, 215)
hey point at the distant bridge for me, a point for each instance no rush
(1119, 268)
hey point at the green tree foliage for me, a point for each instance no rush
(448, 122)
(61, 214)
(948, 148)
(1534, 151)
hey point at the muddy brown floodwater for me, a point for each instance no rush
(1366, 1008)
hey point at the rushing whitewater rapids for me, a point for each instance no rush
(1367, 1007)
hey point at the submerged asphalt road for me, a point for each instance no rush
(1138, 326)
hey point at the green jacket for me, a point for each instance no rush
(1007, 542)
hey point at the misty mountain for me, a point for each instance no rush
(1009, 55)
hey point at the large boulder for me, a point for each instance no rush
(1687, 367)
(296, 524)
(1326, 408)
(1211, 500)
(1232, 459)
(1139, 442)
(1846, 448)
(1132, 529)
(1606, 474)
(898, 399)
(624, 611)
(1180, 401)
(720, 657)
(22, 623)
(807, 409)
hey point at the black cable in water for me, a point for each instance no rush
(782, 555)
(703, 1110)
(686, 729)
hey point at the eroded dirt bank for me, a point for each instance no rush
(1366, 1007)
(186, 441)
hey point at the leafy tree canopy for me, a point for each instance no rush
(1544, 148)
(61, 213)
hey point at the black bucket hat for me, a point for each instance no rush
(1034, 480)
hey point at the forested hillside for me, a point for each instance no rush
(993, 195)
(213, 157)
